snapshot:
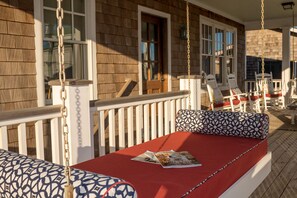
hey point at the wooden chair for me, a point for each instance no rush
(217, 100)
(251, 98)
(266, 90)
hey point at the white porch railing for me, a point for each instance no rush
(250, 85)
(20, 120)
(122, 122)
(139, 118)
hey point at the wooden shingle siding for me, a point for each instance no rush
(272, 50)
(117, 42)
(17, 55)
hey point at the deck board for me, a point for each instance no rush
(282, 141)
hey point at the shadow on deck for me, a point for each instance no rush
(282, 180)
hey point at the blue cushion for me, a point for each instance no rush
(241, 124)
(21, 176)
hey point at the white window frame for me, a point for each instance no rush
(90, 34)
(142, 9)
(215, 24)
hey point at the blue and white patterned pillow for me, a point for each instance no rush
(241, 124)
(21, 176)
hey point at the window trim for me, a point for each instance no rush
(90, 34)
(216, 24)
(146, 10)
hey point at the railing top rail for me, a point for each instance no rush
(24, 114)
(253, 80)
(133, 99)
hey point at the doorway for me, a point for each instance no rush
(154, 78)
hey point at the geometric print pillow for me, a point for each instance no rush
(21, 176)
(241, 124)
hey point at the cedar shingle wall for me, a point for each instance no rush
(17, 55)
(17, 62)
(117, 41)
(273, 44)
(272, 50)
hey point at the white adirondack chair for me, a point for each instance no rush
(251, 98)
(293, 94)
(266, 90)
(217, 100)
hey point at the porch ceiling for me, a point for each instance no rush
(248, 12)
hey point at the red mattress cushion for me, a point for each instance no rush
(226, 103)
(277, 95)
(224, 160)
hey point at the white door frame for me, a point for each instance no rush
(142, 9)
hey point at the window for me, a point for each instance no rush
(218, 49)
(207, 52)
(74, 41)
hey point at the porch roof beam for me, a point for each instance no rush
(269, 23)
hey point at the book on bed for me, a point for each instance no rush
(169, 159)
(173, 159)
(147, 156)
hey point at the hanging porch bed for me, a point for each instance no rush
(232, 166)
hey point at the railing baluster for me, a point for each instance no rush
(121, 128)
(139, 123)
(39, 139)
(166, 115)
(3, 138)
(172, 117)
(101, 135)
(178, 101)
(184, 101)
(146, 124)
(130, 127)
(154, 120)
(56, 141)
(22, 138)
(111, 134)
(160, 119)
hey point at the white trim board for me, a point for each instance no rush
(246, 185)
(91, 42)
(38, 18)
(142, 9)
(214, 10)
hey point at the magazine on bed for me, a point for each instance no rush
(147, 156)
(169, 159)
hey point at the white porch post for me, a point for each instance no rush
(78, 119)
(195, 88)
(286, 62)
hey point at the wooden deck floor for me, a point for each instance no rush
(282, 180)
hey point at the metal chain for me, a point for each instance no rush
(263, 33)
(188, 53)
(293, 47)
(262, 50)
(68, 189)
